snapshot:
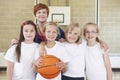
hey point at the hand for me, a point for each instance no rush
(62, 66)
(14, 41)
(38, 62)
(104, 45)
(62, 40)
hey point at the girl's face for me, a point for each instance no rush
(29, 33)
(72, 35)
(51, 33)
(41, 15)
(91, 33)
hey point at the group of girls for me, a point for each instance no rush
(79, 57)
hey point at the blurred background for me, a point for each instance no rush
(106, 13)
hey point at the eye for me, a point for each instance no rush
(32, 30)
(48, 31)
(44, 12)
(54, 32)
(69, 32)
(76, 33)
(93, 32)
(87, 32)
(25, 30)
(38, 12)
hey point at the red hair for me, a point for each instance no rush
(39, 7)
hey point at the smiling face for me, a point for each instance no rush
(29, 33)
(51, 32)
(73, 35)
(41, 15)
(91, 33)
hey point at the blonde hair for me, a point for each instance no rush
(48, 24)
(91, 24)
(71, 27)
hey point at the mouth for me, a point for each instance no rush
(29, 36)
(90, 37)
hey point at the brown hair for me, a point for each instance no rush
(91, 24)
(71, 27)
(21, 38)
(39, 7)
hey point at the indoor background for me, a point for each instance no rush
(106, 13)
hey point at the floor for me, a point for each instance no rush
(116, 75)
(3, 75)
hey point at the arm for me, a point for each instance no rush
(10, 66)
(38, 57)
(108, 66)
(42, 49)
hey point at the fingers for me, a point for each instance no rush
(62, 40)
(14, 41)
(38, 62)
(60, 65)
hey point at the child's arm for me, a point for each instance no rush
(42, 48)
(10, 66)
(38, 56)
(108, 65)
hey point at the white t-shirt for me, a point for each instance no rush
(95, 67)
(24, 69)
(77, 64)
(59, 51)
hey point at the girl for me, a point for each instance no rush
(53, 47)
(97, 60)
(20, 57)
(75, 49)
(41, 12)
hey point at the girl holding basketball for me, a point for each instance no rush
(20, 57)
(52, 47)
(75, 48)
(97, 60)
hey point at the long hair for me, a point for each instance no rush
(21, 38)
(71, 27)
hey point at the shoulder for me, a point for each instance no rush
(59, 43)
(59, 46)
(37, 44)
(12, 48)
(10, 54)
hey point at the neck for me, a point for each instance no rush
(28, 42)
(41, 23)
(91, 43)
(40, 27)
(50, 44)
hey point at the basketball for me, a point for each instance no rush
(49, 69)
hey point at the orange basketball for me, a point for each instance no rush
(49, 69)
